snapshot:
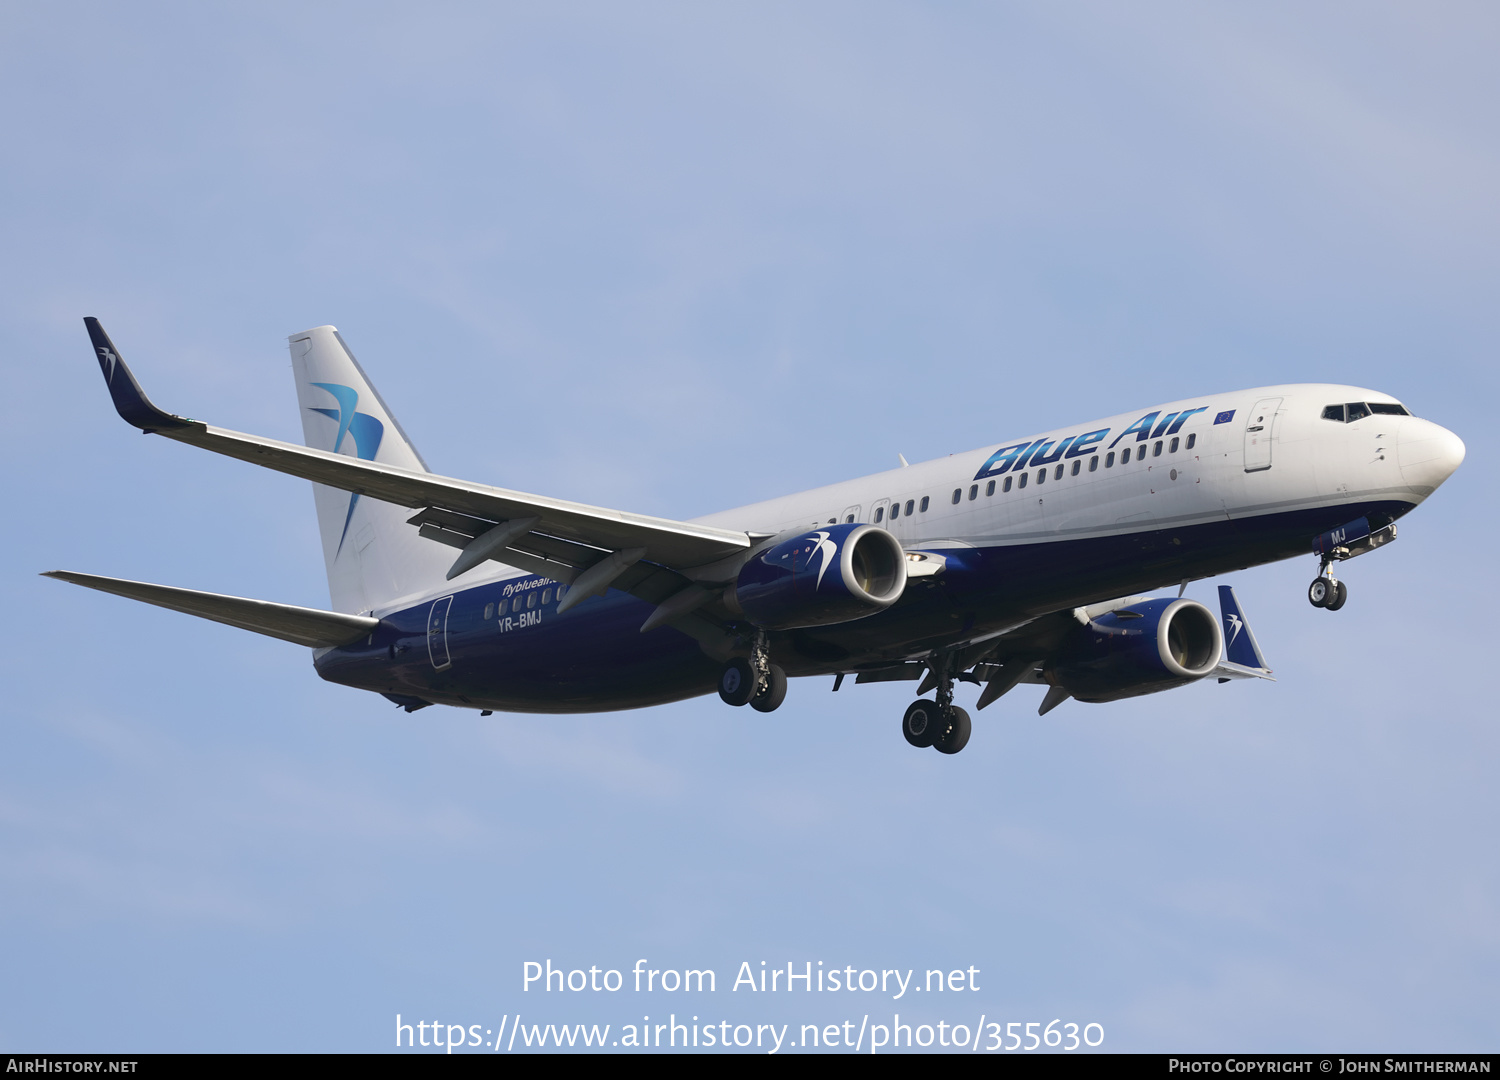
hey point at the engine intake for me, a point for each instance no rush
(829, 575)
(1143, 649)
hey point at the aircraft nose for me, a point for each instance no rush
(1427, 454)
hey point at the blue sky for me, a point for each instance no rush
(673, 259)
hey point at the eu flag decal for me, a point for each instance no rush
(1224, 417)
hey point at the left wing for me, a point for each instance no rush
(304, 626)
(560, 539)
(1021, 653)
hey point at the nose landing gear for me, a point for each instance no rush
(1349, 540)
(1325, 591)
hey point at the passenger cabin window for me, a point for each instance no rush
(1057, 474)
(562, 590)
(924, 505)
(1173, 448)
(1024, 475)
(973, 492)
(1109, 462)
(531, 599)
(1094, 463)
(546, 596)
(1006, 486)
(1125, 456)
(849, 520)
(1076, 466)
(1156, 450)
(489, 612)
(501, 606)
(908, 507)
(1192, 440)
(958, 493)
(895, 511)
(989, 489)
(879, 514)
(1041, 476)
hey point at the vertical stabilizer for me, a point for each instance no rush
(372, 555)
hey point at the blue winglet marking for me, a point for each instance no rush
(129, 399)
(1239, 640)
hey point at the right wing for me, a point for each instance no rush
(559, 539)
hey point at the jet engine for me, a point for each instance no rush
(1142, 649)
(828, 575)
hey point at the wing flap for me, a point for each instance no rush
(312, 627)
(670, 542)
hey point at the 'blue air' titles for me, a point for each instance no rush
(1045, 451)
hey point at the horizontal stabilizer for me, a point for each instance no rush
(304, 626)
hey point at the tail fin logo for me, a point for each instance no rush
(366, 429)
(1236, 624)
(109, 372)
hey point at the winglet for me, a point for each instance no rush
(130, 400)
(1242, 655)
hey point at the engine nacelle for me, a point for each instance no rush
(1143, 649)
(828, 575)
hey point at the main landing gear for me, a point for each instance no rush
(943, 727)
(753, 681)
(939, 724)
(1325, 591)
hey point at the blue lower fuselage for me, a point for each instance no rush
(593, 657)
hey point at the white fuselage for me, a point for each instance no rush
(1304, 461)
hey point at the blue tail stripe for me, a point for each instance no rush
(347, 398)
(367, 430)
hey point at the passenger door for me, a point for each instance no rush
(437, 633)
(1260, 427)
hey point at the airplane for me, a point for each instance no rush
(1026, 561)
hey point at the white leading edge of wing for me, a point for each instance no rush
(674, 544)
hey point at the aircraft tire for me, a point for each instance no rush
(954, 735)
(1341, 594)
(736, 682)
(1319, 592)
(775, 692)
(920, 722)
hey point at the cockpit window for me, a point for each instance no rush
(1358, 410)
